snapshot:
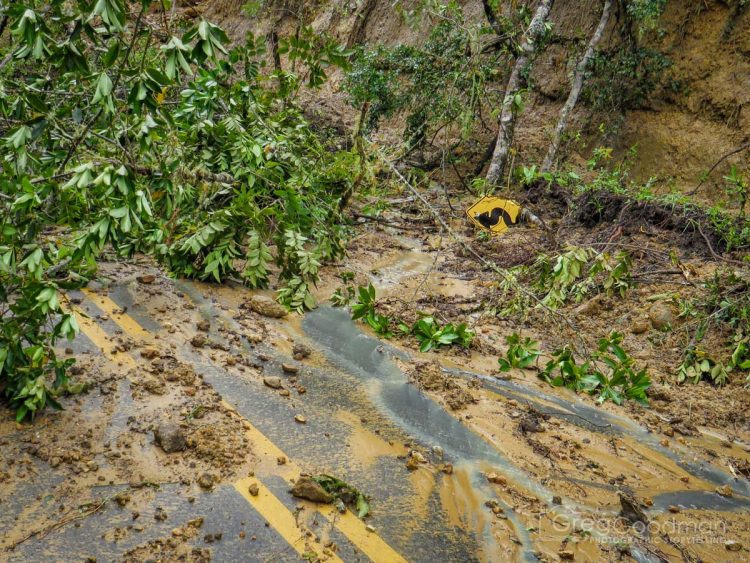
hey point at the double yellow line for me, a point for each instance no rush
(265, 503)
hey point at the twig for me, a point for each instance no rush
(85, 511)
(722, 159)
(713, 253)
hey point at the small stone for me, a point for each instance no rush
(556, 499)
(203, 326)
(300, 351)
(412, 464)
(160, 515)
(668, 431)
(170, 437)
(146, 279)
(301, 419)
(674, 509)
(725, 491)
(281, 460)
(731, 545)
(306, 488)
(639, 327)
(447, 469)
(301, 389)
(664, 442)
(253, 489)
(266, 306)
(438, 452)
(196, 522)
(370, 528)
(284, 392)
(566, 555)
(290, 368)
(198, 341)
(272, 382)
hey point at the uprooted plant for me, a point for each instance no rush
(428, 332)
(610, 374)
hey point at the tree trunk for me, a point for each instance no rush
(576, 87)
(507, 115)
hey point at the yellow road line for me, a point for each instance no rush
(266, 503)
(369, 543)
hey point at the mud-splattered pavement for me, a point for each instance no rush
(203, 405)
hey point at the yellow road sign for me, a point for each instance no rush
(494, 214)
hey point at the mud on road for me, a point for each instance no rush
(204, 404)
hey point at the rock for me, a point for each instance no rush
(300, 351)
(281, 460)
(724, 490)
(253, 489)
(418, 457)
(370, 528)
(639, 326)
(272, 382)
(438, 452)
(170, 438)
(556, 499)
(160, 515)
(198, 341)
(566, 555)
(674, 509)
(661, 316)
(306, 488)
(290, 368)
(664, 442)
(266, 306)
(668, 431)
(412, 464)
(301, 419)
(447, 469)
(203, 326)
(731, 545)
(146, 279)
(206, 481)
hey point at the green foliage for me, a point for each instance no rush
(119, 134)
(444, 81)
(737, 185)
(431, 335)
(428, 332)
(611, 373)
(572, 275)
(725, 307)
(365, 309)
(521, 354)
(345, 493)
(624, 77)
